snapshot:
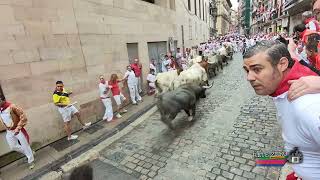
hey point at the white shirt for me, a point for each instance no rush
(164, 64)
(178, 55)
(6, 117)
(303, 55)
(151, 78)
(103, 88)
(132, 80)
(300, 123)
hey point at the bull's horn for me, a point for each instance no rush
(208, 87)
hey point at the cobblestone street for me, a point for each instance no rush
(231, 124)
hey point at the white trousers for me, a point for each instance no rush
(23, 147)
(139, 84)
(134, 94)
(108, 114)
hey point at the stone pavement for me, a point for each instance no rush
(51, 157)
(231, 124)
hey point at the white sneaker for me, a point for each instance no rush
(86, 125)
(124, 110)
(72, 137)
(118, 116)
(32, 165)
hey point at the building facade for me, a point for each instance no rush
(75, 41)
(223, 16)
(278, 15)
(295, 8)
(234, 21)
(269, 16)
(244, 9)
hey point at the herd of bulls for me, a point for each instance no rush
(180, 90)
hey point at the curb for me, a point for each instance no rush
(56, 166)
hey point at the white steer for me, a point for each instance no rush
(164, 80)
(195, 74)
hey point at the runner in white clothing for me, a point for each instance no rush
(104, 92)
(269, 67)
(132, 85)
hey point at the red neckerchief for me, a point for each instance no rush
(5, 106)
(296, 72)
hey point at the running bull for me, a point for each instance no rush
(183, 98)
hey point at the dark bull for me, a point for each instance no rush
(183, 98)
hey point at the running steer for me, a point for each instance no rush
(182, 98)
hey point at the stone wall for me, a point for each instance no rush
(42, 41)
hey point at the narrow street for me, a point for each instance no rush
(231, 124)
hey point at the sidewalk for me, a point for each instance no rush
(53, 156)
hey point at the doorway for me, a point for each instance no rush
(157, 51)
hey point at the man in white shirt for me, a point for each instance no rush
(132, 85)
(269, 67)
(151, 78)
(105, 94)
(165, 63)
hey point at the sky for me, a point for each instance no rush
(234, 4)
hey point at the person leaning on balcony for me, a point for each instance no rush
(66, 109)
(14, 119)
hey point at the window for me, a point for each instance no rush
(195, 29)
(149, 1)
(195, 7)
(206, 8)
(190, 30)
(189, 5)
(200, 9)
(173, 4)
